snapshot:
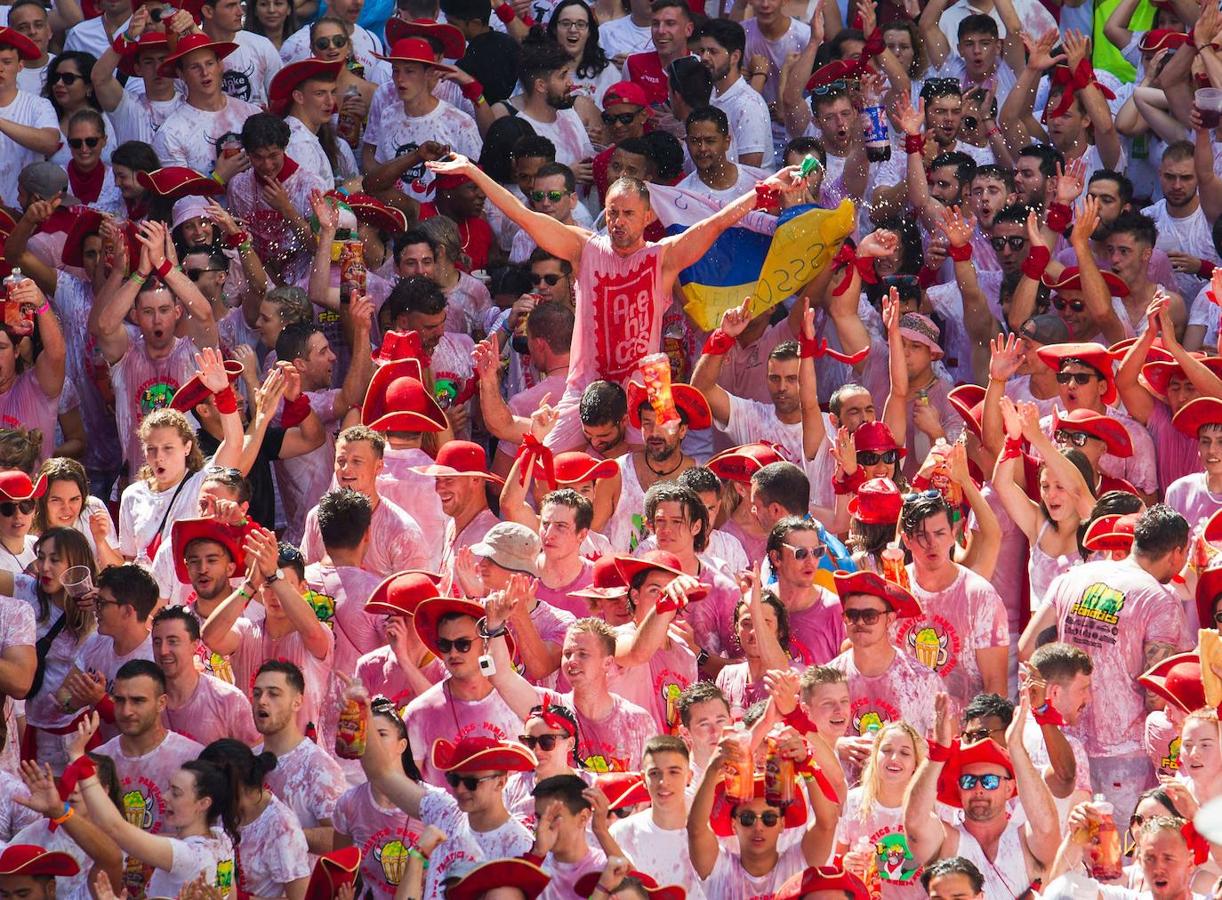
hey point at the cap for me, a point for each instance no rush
(511, 546)
(625, 92)
(1044, 329)
(44, 179)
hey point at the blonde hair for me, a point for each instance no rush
(871, 783)
(173, 419)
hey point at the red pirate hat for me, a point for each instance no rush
(1071, 280)
(631, 566)
(189, 43)
(373, 211)
(905, 605)
(1106, 429)
(1110, 534)
(1197, 413)
(525, 876)
(834, 71)
(1213, 528)
(719, 818)
(622, 789)
(1177, 679)
(459, 458)
(184, 531)
(740, 463)
(399, 345)
(397, 400)
(588, 883)
(149, 40)
(968, 402)
(401, 593)
(1209, 586)
(1094, 355)
(26, 48)
(1157, 375)
(430, 611)
(481, 754)
(193, 393)
(176, 182)
(1157, 351)
(877, 502)
(689, 401)
(331, 872)
(1162, 39)
(280, 91)
(16, 486)
(984, 751)
(876, 437)
(86, 224)
(415, 50)
(823, 878)
(576, 467)
(27, 859)
(608, 581)
(453, 44)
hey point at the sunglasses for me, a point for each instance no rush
(1080, 378)
(838, 86)
(621, 118)
(554, 196)
(194, 274)
(9, 509)
(864, 616)
(470, 782)
(1075, 305)
(622, 812)
(922, 495)
(801, 553)
(979, 734)
(1218, 617)
(988, 782)
(226, 471)
(1016, 242)
(462, 645)
(68, 78)
(871, 458)
(550, 278)
(78, 143)
(545, 742)
(336, 41)
(1077, 438)
(747, 818)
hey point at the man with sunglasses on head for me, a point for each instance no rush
(816, 629)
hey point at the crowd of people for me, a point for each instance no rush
(388, 510)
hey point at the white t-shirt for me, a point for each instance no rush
(659, 852)
(137, 118)
(35, 112)
(1189, 234)
(747, 178)
(750, 124)
(212, 855)
(395, 133)
(622, 37)
(249, 69)
(365, 46)
(730, 880)
(89, 36)
(567, 133)
(189, 136)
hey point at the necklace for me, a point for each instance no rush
(16, 558)
(663, 474)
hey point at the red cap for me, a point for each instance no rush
(876, 437)
(27, 859)
(625, 92)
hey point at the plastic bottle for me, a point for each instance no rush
(348, 126)
(778, 774)
(893, 566)
(874, 125)
(351, 731)
(740, 768)
(655, 371)
(1105, 863)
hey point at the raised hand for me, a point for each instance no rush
(454, 164)
(957, 228)
(262, 552)
(783, 687)
(1039, 52)
(1010, 419)
(151, 235)
(1029, 416)
(487, 359)
(1006, 357)
(292, 380)
(1076, 46)
(101, 884)
(211, 367)
(869, 16)
(543, 419)
(271, 392)
(734, 321)
(44, 797)
(891, 311)
(1087, 221)
(845, 451)
(40, 210)
(85, 731)
(324, 211)
(221, 216)
(1034, 235)
(910, 119)
(944, 725)
(1070, 181)
(879, 243)
(360, 312)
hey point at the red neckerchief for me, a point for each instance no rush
(86, 186)
(138, 210)
(287, 170)
(60, 220)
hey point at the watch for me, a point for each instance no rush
(274, 577)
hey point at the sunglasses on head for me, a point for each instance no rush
(921, 495)
(8, 509)
(1076, 305)
(746, 818)
(68, 78)
(462, 645)
(872, 458)
(194, 274)
(1076, 438)
(78, 143)
(554, 196)
(551, 278)
(621, 118)
(989, 782)
(335, 41)
(839, 86)
(1016, 242)
(1082, 378)
(545, 742)
(470, 782)
(864, 616)
(801, 553)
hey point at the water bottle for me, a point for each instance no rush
(874, 126)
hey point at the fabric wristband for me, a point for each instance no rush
(1059, 216)
(874, 44)
(1036, 262)
(237, 239)
(1047, 714)
(809, 348)
(797, 719)
(1013, 448)
(473, 90)
(1207, 269)
(914, 143)
(961, 253)
(164, 269)
(106, 709)
(850, 484)
(718, 343)
(226, 400)
(295, 412)
(505, 13)
(767, 197)
(940, 753)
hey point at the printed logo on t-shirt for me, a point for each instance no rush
(224, 877)
(669, 685)
(603, 758)
(155, 394)
(237, 84)
(1171, 762)
(143, 804)
(388, 849)
(415, 171)
(446, 388)
(323, 606)
(1094, 618)
(623, 311)
(933, 642)
(868, 711)
(893, 857)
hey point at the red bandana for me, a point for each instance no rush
(86, 186)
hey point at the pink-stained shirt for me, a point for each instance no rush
(817, 632)
(309, 781)
(452, 368)
(472, 533)
(713, 617)
(881, 830)
(97, 655)
(270, 232)
(188, 135)
(304, 479)
(381, 674)
(957, 622)
(214, 710)
(565, 875)
(256, 646)
(730, 880)
(25, 405)
(439, 809)
(613, 743)
(1009, 572)
(660, 852)
(17, 629)
(656, 685)
(273, 851)
(559, 597)
(143, 384)
(904, 693)
(437, 714)
(735, 682)
(1190, 497)
(415, 494)
(395, 541)
(744, 369)
(1112, 610)
(1175, 453)
(383, 835)
(466, 304)
(347, 588)
(527, 401)
(1161, 741)
(753, 546)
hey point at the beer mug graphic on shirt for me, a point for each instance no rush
(929, 647)
(137, 810)
(392, 856)
(224, 877)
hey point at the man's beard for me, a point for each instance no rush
(660, 455)
(561, 101)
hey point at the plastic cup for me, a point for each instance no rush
(1208, 102)
(77, 581)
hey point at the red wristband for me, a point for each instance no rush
(106, 709)
(527, 20)
(1048, 715)
(810, 348)
(865, 268)
(798, 719)
(960, 254)
(233, 241)
(473, 90)
(295, 412)
(850, 484)
(767, 197)
(1036, 262)
(874, 44)
(914, 143)
(164, 269)
(718, 343)
(226, 400)
(940, 753)
(1013, 448)
(1207, 269)
(1058, 218)
(505, 13)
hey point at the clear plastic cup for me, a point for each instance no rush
(1208, 102)
(77, 581)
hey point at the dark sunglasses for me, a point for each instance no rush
(462, 645)
(921, 495)
(335, 41)
(1076, 305)
(470, 782)
(979, 734)
(194, 274)
(988, 782)
(546, 742)
(1076, 438)
(747, 818)
(290, 555)
(551, 278)
(225, 471)
(622, 812)
(871, 458)
(9, 509)
(839, 86)
(1082, 378)
(554, 196)
(90, 142)
(68, 78)
(864, 616)
(621, 118)
(801, 553)
(1016, 242)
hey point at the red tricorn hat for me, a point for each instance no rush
(373, 211)
(622, 789)
(1106, 429)
(740, 463)
(399, 594)
(399, 345)
(876, 437)
(453, 44)
(87, 223)
(984, 751)
(1197, 413)
(193, 393)
(836, 70)
(1090, 354)
(176, 182)
(184, 531)
(1209, 586)
(1177, 679)
(1157, 352)
(1110, 534)
(1071, 280)
(874, 585)
(26, 48)
(149, 40)
(688, 401)
(188, 44)
(877, 502)
(280, 91)
(1162, 39)
(459, 458)
(719, 818)
(16, 486)
(481, 754)
(1157, 375)
(27, 859)
(397, 400)
(608, 581)
(331, 872)
(575, 467)
(968, 402)
(588, 883)
(414, 50)
(521, 874)
(823, 878)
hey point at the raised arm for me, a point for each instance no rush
(912, 120)
(637, 647)
(518, 693)
(388, 777)
(1095, 293)
(360, 370)
(217, 633)
(985, 544)
(1107, 140)
(15, 246)
(1138, 402)
(49, 365)
(702, 845)
(814, 430)
(895, 409)
(1024, 511)
(261, 547)
(1042, 828)
(200, 322)
(977, 317)
(1116, 28)
(925, 830)
(734, 321)
(937, 47)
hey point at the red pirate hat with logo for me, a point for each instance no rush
(520, 873)
(823, 878)
(688, 401)
(397, 400)
(983, 751)
(453, 44)
(1110, 534)
(1098, 425)
(193, 393)
(399, 594)
(372, 211)
(1157, 375)
(185, 531)
(36, 862)
(968, 402)
(872, 584)
(280, 91)
(188, 44)
(723, 808)
(1177, 679)
(176, 182)
(1093, 355)
(481, 754)
(331, 872)
(740, 463)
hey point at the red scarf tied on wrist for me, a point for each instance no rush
(1073, 81)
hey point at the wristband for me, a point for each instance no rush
(959, 254)
(237, 239)
(217, 178)
(424, 860)
(940, 753)
(106, 709)
(1036, 262)
(914, 143)
(56, 821)
(527, 20)
(482, 628)
(1013, 448)
(718, 343)
(767, 197)
(809, 348)
(505, 13)
(46, 307)
(164, 269)
(1059, 217)
(226, 400)
(244, 248)
(1048, 715)
(136, 278)
(1207, 269)
(850, 484)
(295, 412)
(473, 90)
(797, 719)
(241, 592)
(874, 44)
